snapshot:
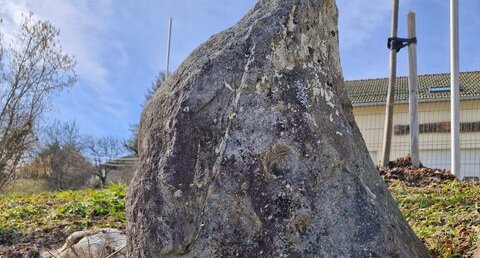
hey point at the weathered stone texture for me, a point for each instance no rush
(250, 149)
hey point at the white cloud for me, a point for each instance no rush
(359, 19)
(84, 29)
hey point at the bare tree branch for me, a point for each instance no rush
(36, 68)
(101, 151)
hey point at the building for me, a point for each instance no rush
(368, 99)
(119, 170)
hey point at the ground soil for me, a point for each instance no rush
(402, 170)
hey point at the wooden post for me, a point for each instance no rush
(387, 133)
(169, 35)
(412, 86)
(454, 88)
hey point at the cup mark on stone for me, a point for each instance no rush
(280, 160)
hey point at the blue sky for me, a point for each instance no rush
(120, 45)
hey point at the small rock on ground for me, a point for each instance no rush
(98, 243)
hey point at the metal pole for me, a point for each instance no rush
(387, 133)
(412, 85)
(454, 88)
(169, 35)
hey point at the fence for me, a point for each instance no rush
(434, 139)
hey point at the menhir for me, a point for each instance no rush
(250, 149)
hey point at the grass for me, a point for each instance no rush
(25, 187)
(444, 216)
(53, 214)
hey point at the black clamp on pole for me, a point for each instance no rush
(399, 43)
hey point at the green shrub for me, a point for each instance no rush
(75, 207)
(66, 210)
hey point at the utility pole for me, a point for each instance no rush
(169, 35)
(454, 88)
(387, 133)
(412, 90)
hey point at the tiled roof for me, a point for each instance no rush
(374, 91)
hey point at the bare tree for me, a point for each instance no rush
(62, 152)
(131, 143)
(31, 70)
(101, 151)
(159, 80)
(59, 158)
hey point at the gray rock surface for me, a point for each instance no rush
(98, 243)
(251, 149)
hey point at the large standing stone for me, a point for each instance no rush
(250, 149)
